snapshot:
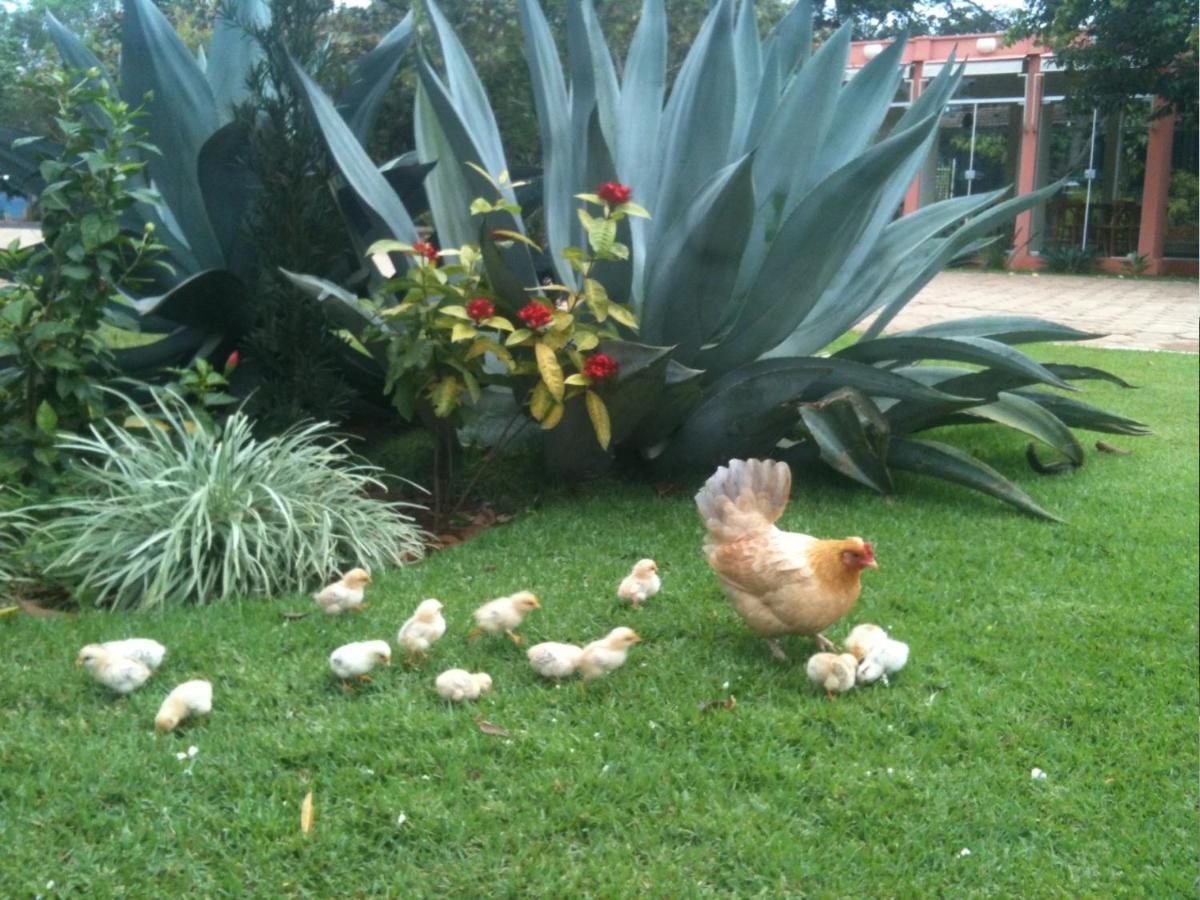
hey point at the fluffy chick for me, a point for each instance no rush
(607, 654)
(833, 671)
(641, 584)
(192, 698)
(886, 658)
(149, 653)
(114, 671)
(357, 659)
(421, 630)
(345, 593)
(554, 660)
(457, 685)
(504, 614)
(863, 639)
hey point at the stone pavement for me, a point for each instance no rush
(1135, 313)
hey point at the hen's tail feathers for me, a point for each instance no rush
(744, 498)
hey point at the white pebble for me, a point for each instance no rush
(1037, 774)
(964, 852)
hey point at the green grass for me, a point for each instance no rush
(1069, 647)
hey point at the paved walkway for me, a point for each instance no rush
(1135, 313)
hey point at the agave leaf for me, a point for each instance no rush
(642, 91)
(1077, 414)
(345, 309)
(352, 160)
(570, 448)
(861, 107)
(747, 53)
(213, 300)
(695, 267)
(1025, 415)
(682, 391)
(1005, 329)
(510, 290)
(826, 224)
(371, 77)
(234, 52)
(593, 77)
(852, 435)
(229, 184)
(951, 464)
(790, 42)
(553, 111)
(447, 188)
(978, 351)
(181, 345)
(703, 100)
(21, 163)
(635, 393)
(76, 55)
(743, 413)
(182, 116)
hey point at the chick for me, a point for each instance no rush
(149, 653)
(833, 671)
(117, 673)
(192, 698)
(886, 658)
(554, 660)
(457, 685)
(344, 594)
(641, 584)
(421, 630)
(357, 659)
(504, 614)
(863, 639)
(607, 654)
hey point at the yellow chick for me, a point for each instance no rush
(457, 685)
(641, 584)
(421, 630)
(114, 671)
(863, 639)
(504, 614)
(607, 654)
(357, 659)
(149, 653)
(345, 593)
(554, 660)
(833, 671)
(192, 698)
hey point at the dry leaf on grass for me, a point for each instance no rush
(491, 727)
(306, 813)
(727, 704)
(41, 612)
(295, 616)
(9, 610)
(1109, 448)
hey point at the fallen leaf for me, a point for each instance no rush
(731, 702)
(1109, 448)
(727, 704)
(306, 813)
(490, 727)
(294, 616)
(9, 610)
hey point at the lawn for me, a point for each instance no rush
(1071, 648)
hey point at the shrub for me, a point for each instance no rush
(170, 513)
(1070, 260)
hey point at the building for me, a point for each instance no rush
(1132, 185)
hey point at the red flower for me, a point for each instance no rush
(481, 308)
(232, 362)
(428, 250)
(600, 367)
(614, 193)
(536, 315)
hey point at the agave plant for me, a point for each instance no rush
(203, 172)
(773, 196)
(173, 512)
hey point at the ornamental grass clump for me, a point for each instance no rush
(168, 512)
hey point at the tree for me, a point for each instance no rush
(887, 18)
(1120, 50)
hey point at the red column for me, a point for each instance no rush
(1152, 234)
(1027, 171)
(912, 199)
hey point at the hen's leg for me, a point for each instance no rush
(825, 643)
(515, 638)
(777, 650)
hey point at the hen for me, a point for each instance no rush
(780, 582)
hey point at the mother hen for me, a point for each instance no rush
(780, 582)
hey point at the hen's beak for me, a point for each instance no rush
(872, 564)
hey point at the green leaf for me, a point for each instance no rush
(229, 185)
(1023, 414)
(551, 371)
(1077, 414)
(234, 53)
(46, 418)
(852, 436)
(951, 464)
(1005, 329)
(598, 413)
(601, 234)
(214, 301)
(462, 332)
(371, 78)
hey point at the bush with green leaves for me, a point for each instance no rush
(55, 295)
(168, 511)
(773, 194)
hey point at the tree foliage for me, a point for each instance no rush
(1120, 50)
